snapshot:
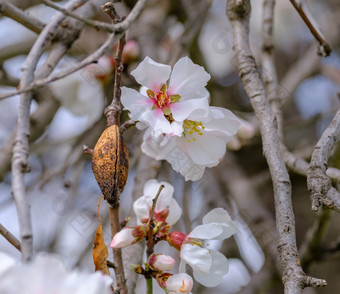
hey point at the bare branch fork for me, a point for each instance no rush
(21, 145)
(294, 279)
(118, 28)
(30, 22)
(300, 6)
(319, 184)
(111, 28)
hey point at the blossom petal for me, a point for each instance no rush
(143, 204)
(181, 162)
(188, 80)
(179, 283)
(175, 212)
(153, 147)
(151, 74)
(135, 102)
(220, 216)
(164, 198)
(219, 268)
(197, 257)
(206, 232)
(182, 109)
(207, 150)
(222, 122)
(159, 124)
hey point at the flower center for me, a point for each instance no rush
(162, 99)
(192, 128)
(194, 241)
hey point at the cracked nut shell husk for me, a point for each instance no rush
(110, 164)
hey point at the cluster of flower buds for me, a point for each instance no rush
(155, 218)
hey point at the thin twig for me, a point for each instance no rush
(10, 237)
(117, 252)
(147, 168)
(319, 184)
(21, 145)
(29, 21)
(112, 112)
(325, 49)
(87, 21)
(88, 60)
(294, 279)
(126, 125)
(150, 243)
(111, 28)
(120, 27)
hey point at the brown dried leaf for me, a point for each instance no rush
(110, 164)
(100, 252)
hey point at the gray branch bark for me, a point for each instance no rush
(319, 184)
(294, 279)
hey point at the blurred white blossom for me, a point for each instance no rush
(47, 274)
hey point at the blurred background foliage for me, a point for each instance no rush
(68, 113)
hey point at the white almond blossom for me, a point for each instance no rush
(209, 266)
(167, 98)
(166, 206)
(179, 284)
(47, 274)
(202, 144)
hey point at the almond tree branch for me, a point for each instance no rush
(147, 168)
(21, 145)
(13, 12)
(49, 105)
(117, 252)
(71, 14)
(294, 279)
(10, 237)
(119, 27)
(88, 60)
(324, 49)
(39, 120)
(113, 111)
(277, 94)
(111, 28)
(319, 184)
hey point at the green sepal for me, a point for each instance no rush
(150, 94)
(175, 98)
(166, 111)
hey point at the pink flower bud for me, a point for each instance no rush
(246, 130)
(179, 283)
(175, 239)
(161, 262)
(131, 51)
(128, 236)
